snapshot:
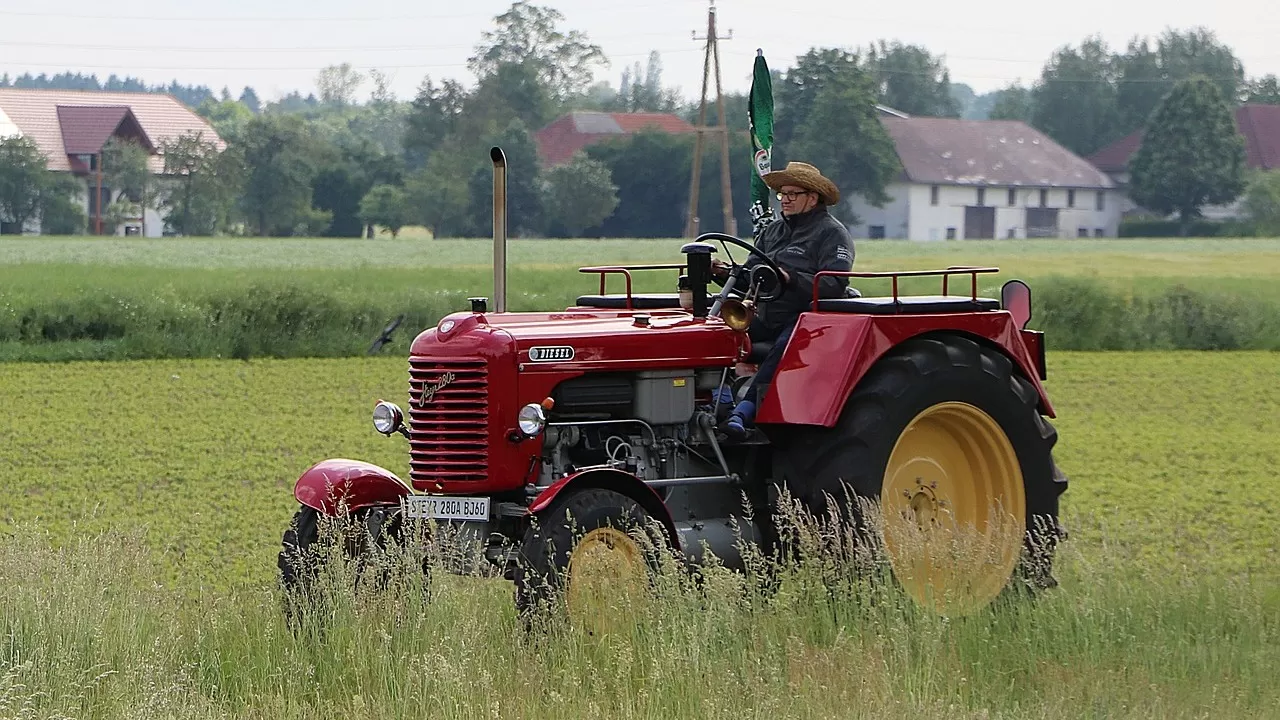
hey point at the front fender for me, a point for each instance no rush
(351, 484)
(610, 479)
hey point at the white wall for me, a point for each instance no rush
(892, 217)
(926, 221)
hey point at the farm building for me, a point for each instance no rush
(71, 128)
(1260, 126)
(571, 132)
(974, 179)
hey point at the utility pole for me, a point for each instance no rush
(712, 55)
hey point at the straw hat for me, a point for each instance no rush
(806, 176)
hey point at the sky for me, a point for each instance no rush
(278, 46)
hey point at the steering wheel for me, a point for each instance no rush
(779, 284)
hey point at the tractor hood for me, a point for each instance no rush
(586, 340)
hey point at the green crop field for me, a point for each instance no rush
(145, 501)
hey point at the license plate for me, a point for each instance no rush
(441, 507)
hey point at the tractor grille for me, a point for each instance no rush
(448, 437)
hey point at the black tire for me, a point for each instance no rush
(922, 373)
(364, 533)
(541, 569)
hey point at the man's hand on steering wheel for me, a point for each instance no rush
(718, 266)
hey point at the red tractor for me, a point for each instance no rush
(548, 436)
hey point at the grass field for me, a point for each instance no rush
(76, 298)
(146, 500)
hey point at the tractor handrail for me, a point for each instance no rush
(625, 270)
(972, 270)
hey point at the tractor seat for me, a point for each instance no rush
(639, 301)
(908, 305)
(759, 348)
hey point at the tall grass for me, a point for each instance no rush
(91, 632)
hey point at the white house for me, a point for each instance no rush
(71, 128)
(975, 179)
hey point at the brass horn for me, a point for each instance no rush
(738, 314)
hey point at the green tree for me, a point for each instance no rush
(281, 160)
(437, 198)
(433, 115)
(1074, 101)
(228, 117)
(843, 136)
(202, 185)
(126, 168)
(1191, 153)
(524, 200)
(1262, 202)
(512, 91)
(1012, 103)
(795, 93)
(578, 195)
(23, 176)
(338, 84)
(1147, 74)
(529, 35)
(60, 212)
(651, 171)
(385, 205)
(909, 78)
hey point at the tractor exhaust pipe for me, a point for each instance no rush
(499, 228)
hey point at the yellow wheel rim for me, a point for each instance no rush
(954, 509)
(606, 579)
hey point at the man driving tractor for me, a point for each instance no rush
(804, 241)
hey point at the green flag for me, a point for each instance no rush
(760, 120)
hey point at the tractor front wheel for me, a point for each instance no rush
(365, 536)
(943, 440)
(592, 554)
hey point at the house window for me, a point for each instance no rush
(951, 233)
(876, 232)
(1071, 198)
(1082, 232)
(1098, 232)
(1013, 233)
(1044, 198)
(1013, 197)
(982, 196)
(1102, 200)
(933, 195)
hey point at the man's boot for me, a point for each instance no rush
(741, 419)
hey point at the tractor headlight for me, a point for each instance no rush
(532, 419)
(387, 417)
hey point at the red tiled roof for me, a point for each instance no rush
(1259, 124)
(569, 133)
(986, 152)
(36, 113)
(86, 128)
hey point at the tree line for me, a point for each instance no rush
(338, 164)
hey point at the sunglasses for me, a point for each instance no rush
(792, 195)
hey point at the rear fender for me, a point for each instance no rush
(341, 484)
(828, 355)
(610, 479)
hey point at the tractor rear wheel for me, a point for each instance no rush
(592, 554)
(946, 442)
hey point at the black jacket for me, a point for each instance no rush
(802, 245)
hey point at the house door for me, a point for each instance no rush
(979, 223)
(1042, 222)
